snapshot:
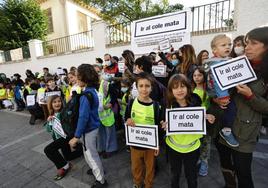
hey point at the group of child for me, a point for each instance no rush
(96, 121)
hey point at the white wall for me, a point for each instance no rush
(58, 17)
(246, 20)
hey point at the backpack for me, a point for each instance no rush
(70, 113)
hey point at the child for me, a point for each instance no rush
(183, 148)
(59, 137)
(73, 86)
(199, 77)
(125, 89)
(141, 111)
(3, 95)
(88, 122)
(221, 48)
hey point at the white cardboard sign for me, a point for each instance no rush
(145, 136)
(159, 70)
(190, 120)
(230, 73)
(30, 100)
(121, 66)
(164, 45)
(147, 33)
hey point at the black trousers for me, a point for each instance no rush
(52, 152)
(189, 161)
(238, 162)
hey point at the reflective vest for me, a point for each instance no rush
(106, 115)
(142, 114)
(184, 143)
(28, 89)
(123, 105)
(3, 93)
(10, 94)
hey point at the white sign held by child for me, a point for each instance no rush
(30, 100)
(160, 71)
(57, 127)
(145, 136)
(233, 72)
(164, 45)
(190, 120)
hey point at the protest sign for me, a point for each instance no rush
(30, 100)
(147, 33)
(189, 120)
(121, 66)
(51, 93)
(230, 73)
(145, 136)
(57, 127)
(160, 71)
(164, 45)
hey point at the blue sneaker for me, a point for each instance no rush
(203, 170)
(229, 138)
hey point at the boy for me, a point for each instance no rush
(221, 48)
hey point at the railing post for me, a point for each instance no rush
(36, 49)
(100, 37)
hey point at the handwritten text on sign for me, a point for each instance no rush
(230, 73)
(186, 120)
(145, 136)
(160, 71)
(164, 45)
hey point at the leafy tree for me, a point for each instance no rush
(130, 10)
(21, 21)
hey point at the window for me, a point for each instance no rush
(48, 12)
(82, 22)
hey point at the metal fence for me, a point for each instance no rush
(15, 54)
(83, 40)
(118, 33)
(213, 16)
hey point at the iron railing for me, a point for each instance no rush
(79, 41)
(213, 16)
(15, 54)
(118, 33)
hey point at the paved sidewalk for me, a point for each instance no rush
(23, 163)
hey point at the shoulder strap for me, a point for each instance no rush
(131, 101)
(156, 107)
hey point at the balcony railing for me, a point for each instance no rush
(213, 17)
(69, 43)
(118, 33)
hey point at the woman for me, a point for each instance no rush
(202, 56)
(251, 102)
(238, 46)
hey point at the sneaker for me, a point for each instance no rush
(98, 184)
(203, 170)
(229, 138)
(62, 172)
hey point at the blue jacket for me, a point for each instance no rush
(88, 119)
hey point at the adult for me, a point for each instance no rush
(129, 59)
(202, 56)
(110, 67)
(188, 61)
(251, 102)
(17, 80)
(46, 73)
(29, 74)
(238, 46)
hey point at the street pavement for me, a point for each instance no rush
(24, 164)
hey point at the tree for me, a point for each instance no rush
(130, 10)
(21, 21)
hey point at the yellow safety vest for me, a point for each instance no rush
(123, 105)
(3, 93)
(184, 143)
(142, 114)
(10, 94)
(106, 116)
(28, 89)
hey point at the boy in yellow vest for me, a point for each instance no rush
(3, 95)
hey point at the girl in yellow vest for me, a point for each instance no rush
(142, 111)
(183, 148)
(3, 95)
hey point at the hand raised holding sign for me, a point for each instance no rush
(130, 122)
(243, 89)
(211, 118)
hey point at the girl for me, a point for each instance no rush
(89, 122)
(53, 125)
(73, 86)
(199, 78)
(142, 111)
(183, 148)
(202, 56)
